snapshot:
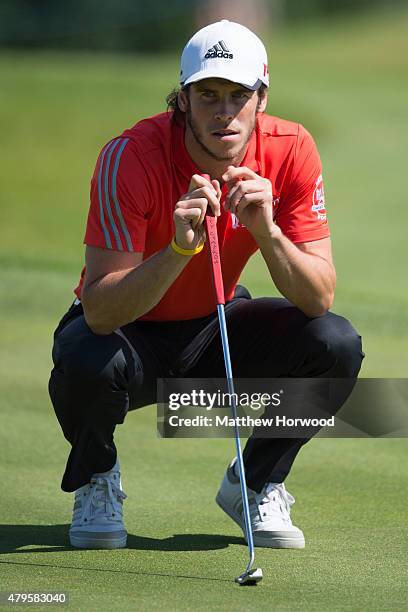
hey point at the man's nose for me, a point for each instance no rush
(224, 112)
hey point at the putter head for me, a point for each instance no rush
(250, 578)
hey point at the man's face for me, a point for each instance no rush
(220, 117)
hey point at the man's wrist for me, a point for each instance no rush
(185, 252)
(273, 234)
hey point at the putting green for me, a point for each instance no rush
(183, 552)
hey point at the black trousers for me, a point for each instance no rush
(97, 379)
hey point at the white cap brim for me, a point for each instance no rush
(228, 76)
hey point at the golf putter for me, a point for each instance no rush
(250, 576)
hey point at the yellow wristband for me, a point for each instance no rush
(186, 252)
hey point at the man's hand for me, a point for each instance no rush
(250, 199)
(190, 211)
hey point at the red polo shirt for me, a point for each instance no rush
(140, 176)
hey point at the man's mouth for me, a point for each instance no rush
(225, 134)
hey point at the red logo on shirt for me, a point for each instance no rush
(318, 205)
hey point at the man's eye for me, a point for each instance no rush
(208, 94)
(240, 95)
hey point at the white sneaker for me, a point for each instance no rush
(97, 520)
(269, 512)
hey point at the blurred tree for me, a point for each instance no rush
(254, 15)
(155, 26)
(122, 25)
(299, 10)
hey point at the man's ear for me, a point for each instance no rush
(262, 103)
(182, 99)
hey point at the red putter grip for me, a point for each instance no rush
(214, 251)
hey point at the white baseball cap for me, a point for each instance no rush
(225, 50)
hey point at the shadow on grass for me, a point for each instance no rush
(54, 538)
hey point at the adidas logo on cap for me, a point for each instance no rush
(219, 50)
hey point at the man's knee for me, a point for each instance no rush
(91, 374)
(335, 344)
(88, 360)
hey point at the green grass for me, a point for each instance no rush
(350, 510)
(347, 84)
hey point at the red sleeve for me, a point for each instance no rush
(120, 199)
(301, 214)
